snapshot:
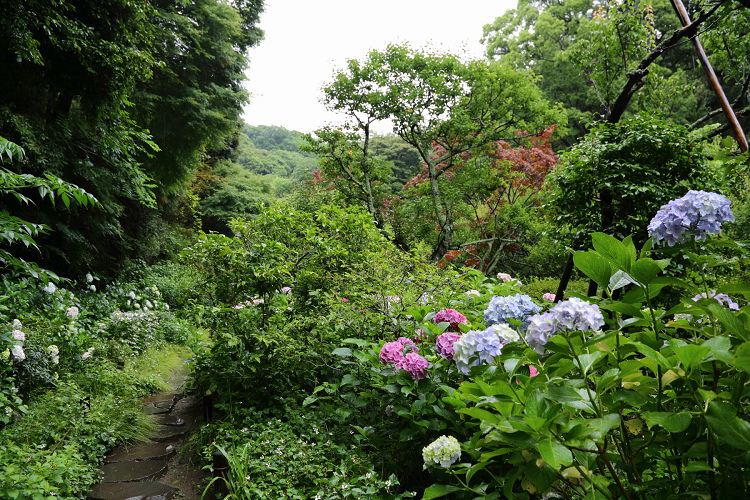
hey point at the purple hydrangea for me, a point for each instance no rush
(503, 308)
(415, 364)
(444, 344)
(721, 298)
(567, 316)
(475, 347)
(697, 213)
(451, 316)
(408, 344)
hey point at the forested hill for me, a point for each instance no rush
(274, 150)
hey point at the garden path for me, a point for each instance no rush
(155, 469)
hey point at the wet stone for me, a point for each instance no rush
(144, 470)
(132, 491)
(160, 398)
(164, 419)
(153, 410)
(165, 433)
(140, 451)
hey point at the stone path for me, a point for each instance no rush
(135, 471)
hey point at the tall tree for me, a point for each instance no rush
(440, 103)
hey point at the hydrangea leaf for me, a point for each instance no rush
(671, 422)
(722, 417)
(555, 454)
(594, 266)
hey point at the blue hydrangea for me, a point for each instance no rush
(694, 215)
(569, 315)
(517, 307)
(475, 347)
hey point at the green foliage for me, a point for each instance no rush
(296, 458)
(622, 173)
(32, 473)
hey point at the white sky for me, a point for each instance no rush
(306, 40)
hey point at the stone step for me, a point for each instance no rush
(140, 451)
(165, 419)
(143, 470)
(166, 433)
(132, 491)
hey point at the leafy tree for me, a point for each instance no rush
(81, 82)
(600, 57)
(16, 230)
(621, 174)
(230, 191)
(403, 157)
(271, 137)
(470, 105)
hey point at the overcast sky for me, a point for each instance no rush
(306, 40)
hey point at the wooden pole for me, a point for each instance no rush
(725, 106)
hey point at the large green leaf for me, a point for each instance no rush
(691, 354)
(614, 250)
(439, 490)
(554, 453)
(734, 431)
(741, 358)
(646, 270)
(594, 266)
(671, 422)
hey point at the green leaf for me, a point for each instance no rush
(691, 354)
(344, 352)
(481, 414)
(439, 490)
(614, 250)
(729, 322)
(644, 271)
(349, 379)
(671, 422)
(734, 431)
(554, 453)
(741, 358)
(589, 360)
(594, 266)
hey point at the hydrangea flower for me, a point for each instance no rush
(721, 298)
(17, 324)
(569, 315)
(393, 352)
(50, 288)
(89, 278)
(286, 289)
(505, 277)
(72, 312)
(697, 213)
(502, 308)
(549, 296)
(451, 316)
(88, 353)
(17, 352)
(415, 364)
(444, 451)
(19, 335)
(473, 293)
(54, 353)
(475, 347)
(444, 344)
(505, 333)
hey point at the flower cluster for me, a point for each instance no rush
(721, 298)
(549, 296)
(415, 364)
(505, 333)
(444, 451)
(697, 213)
(451, 316)
(567, 316)
(72, 312)
(503, 308)
(444, 344)
(475, 347)
(54, 354)
(18, 336)
(393, 352)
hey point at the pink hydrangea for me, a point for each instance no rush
(549, 296)
(451, 316)
(391, 352)
(444, 344)
(415, 364)
(409, 345)
(533, 372)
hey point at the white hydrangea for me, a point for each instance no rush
(444, 451)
